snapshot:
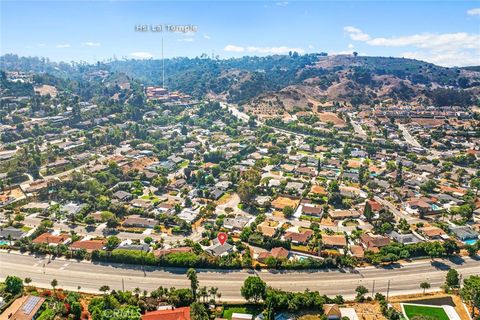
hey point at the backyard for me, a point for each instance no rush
(418, 310)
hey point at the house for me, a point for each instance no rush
(139, 222)
(268, 227)
(165, 208)
(464, 233)
(352, 192)
(374, 242)
(142, 204)
(332, 311)
(178, 184)
(357, 251)
(373, 205)
(216, 193)
(237, 223)
(417, 206)
(122, 196)
(298, 237)
(297, 186)
(344, 214)
(223, 185)
(277, 253)
(169, 314)
(307, 171)
(408, 238)
(29, 309)
(188, 215)
(11, 233)
(220, 250)
(263, 201)
(433, 233)
(88, 245)
(334, 241)
(312, 210)
(72, 209)
(52, 239)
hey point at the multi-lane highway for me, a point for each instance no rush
(90, 276)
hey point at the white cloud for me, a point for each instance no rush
(274, 50)
(233, 48)
(186, 40)
(91, 44)
(206, 36)
(42, 44)
(282, 3)
(446, 49)
(310, 46)
(432, 41)
(448, 58)
(356, 34)
(141, 55)
(351, 46)
(474, 12)
(262, 50)
(63, 45)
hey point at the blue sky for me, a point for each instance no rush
(446, 32)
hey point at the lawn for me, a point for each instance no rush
(433, 312)
(248, 309)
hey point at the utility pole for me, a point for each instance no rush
(123, 285)
(388, 289)
(373, 288)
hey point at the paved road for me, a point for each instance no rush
(358, 129)
(408, 137)
(399, 214)
(90, 276)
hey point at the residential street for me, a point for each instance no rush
(90, 276)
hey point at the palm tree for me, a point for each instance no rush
(192, 276)
(203, 293)
(213, 292)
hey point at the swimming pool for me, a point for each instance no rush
(470, 241)
(4, 242)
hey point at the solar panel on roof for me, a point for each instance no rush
(30, 304)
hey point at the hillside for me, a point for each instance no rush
(278, 82)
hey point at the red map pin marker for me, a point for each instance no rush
(222, 237)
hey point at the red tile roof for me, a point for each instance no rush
(279, 253)
(89, 245)
(175, 314)
(299, 237)
(50, 238)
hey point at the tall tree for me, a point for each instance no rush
(471, 292)
(192, 276)
(254, 289)
(452, 280)
(198, 311)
